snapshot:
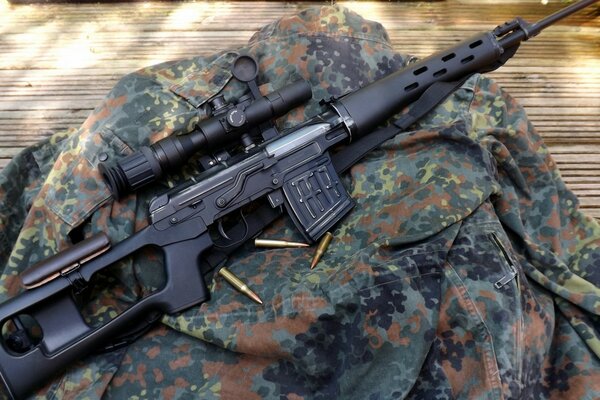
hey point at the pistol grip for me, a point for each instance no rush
(315, 197)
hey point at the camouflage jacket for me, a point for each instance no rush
(465, 269)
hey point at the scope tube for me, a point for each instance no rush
(167, 155)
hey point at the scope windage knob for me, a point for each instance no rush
(236, 117)
(131, 172)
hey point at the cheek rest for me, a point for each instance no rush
(65, 261)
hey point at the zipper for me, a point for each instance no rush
(513, 274)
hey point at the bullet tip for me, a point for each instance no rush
(255, 297)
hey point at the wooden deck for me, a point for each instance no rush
(59, 60)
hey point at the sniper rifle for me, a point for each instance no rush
(294, 170)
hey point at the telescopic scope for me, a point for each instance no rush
(167, 155)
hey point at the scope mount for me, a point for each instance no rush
(245, 70)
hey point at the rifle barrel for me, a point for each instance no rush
(560, 14)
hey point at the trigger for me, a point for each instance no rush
(221, 230)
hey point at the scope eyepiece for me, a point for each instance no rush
(142, 167)
(130, 173)
(167, 155)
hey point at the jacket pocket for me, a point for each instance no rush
(463, 350)
(480, 332)
(74, 188)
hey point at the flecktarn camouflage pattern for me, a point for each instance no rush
(464, 271)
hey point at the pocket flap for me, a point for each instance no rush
(74, 188)
(200, 85)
